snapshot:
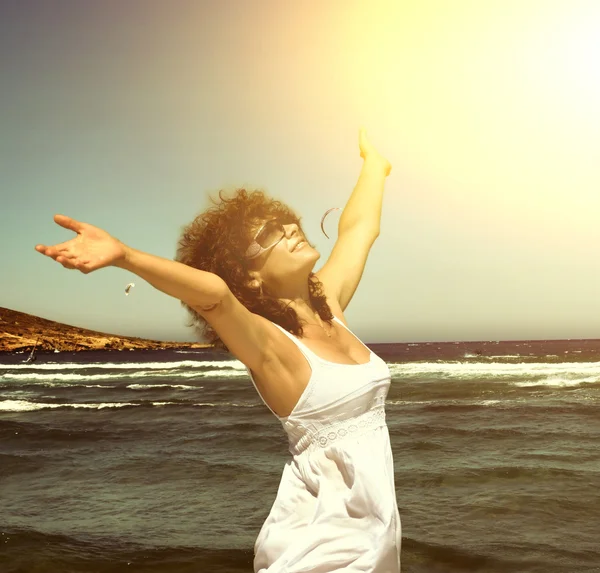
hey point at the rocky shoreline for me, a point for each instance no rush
(21, 332)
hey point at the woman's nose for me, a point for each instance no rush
(291, 229)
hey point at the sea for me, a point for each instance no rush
(168, 461)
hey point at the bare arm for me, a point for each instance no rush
(358, 227)
(199, 289)
(245, 334)
(94, 248)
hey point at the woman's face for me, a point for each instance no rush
(286, 255)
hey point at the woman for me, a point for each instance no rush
(244, 271)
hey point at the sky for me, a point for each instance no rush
(129, 115)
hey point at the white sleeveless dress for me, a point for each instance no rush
(336, 507)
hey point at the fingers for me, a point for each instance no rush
(363, 142)
(68, 223)
(61, 256)
(53, 251)
(50, 251)
(65, 263)
(66, 253)
(362, 136)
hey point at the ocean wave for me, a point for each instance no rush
(560, 381)
(495, 474)
(11, 464)
(25, 549)
(233, 364)
(481, 357)
(157, 386)
(224, 373)
(164, 373)
(438, 402)
(49, 433)
(230, 404)
(518, 373)
(437, 558)
(26, 406)
(37, 385)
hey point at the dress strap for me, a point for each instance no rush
(352, 333)
(307, 352)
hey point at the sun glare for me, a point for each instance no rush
(565, 60)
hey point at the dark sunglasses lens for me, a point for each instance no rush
(272, 232)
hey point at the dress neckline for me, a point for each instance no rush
(339, 363)
(305, 349)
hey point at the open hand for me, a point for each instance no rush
(368, 151)
(90, 250)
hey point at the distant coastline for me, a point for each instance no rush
(19, 332)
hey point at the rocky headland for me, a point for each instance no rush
(21, 332)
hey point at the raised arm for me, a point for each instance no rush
(93, 249)
(358, 227)
(244, 333)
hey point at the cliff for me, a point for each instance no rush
(20, 331)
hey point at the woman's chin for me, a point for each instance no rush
(310, 253)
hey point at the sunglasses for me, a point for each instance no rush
(266, 238)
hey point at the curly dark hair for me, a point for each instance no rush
(216, 240)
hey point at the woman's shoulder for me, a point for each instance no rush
(284, 372)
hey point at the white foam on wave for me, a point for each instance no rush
(230, 364)
(232, 404)
(63, 385)
(223, 373)
(25, 406)
(152, 386)
(53, 377)
(560, 382)
(520, 374)
(492, 357)
(448, 402)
